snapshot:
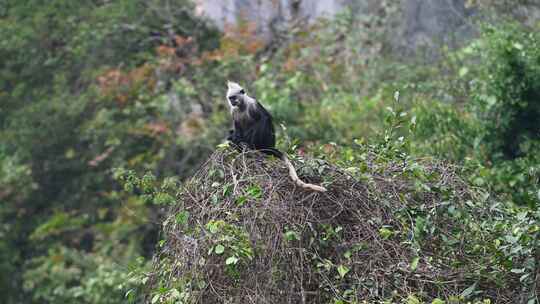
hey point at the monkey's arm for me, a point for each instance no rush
(237, 137)
(260, 136)
(231, 134)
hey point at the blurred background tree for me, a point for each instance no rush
(83, 89)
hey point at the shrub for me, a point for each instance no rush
(508, 93)
(388, 229)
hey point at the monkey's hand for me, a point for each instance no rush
(235, 137)
(231, 134)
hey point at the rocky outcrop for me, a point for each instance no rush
(423, 25)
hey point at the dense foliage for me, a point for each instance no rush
(90, 86)
(83, 90)
(391, 228)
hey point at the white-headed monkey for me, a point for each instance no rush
(252, 127)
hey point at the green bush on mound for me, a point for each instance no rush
(241, 232)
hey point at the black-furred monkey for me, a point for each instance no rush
(252, 126)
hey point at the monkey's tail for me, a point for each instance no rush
(296, 179)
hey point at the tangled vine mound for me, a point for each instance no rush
(242, 232)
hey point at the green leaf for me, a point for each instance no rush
(155, 299)
(522, 216)
(129, 293)
(518, 270)
(467, 292)
(241, 200)
(231, 260)
(182, 217)
(414, 263)
(219, 249)
(463, 71)
(255, 192)
(227, 190)
(411, 299)
(213, 226)
(223, 146)
(342, 270)
(175, 294)
(291, 235)
(163, 199)
(385, 233)
(491, 100)
(524, 277)
(437, 301)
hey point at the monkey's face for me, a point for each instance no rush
(236, 96)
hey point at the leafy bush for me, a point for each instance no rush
(83, 88)
(509, 90)
(240, 230)
(71, 276)
(491, 121)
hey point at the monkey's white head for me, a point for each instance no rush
(237, 97)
